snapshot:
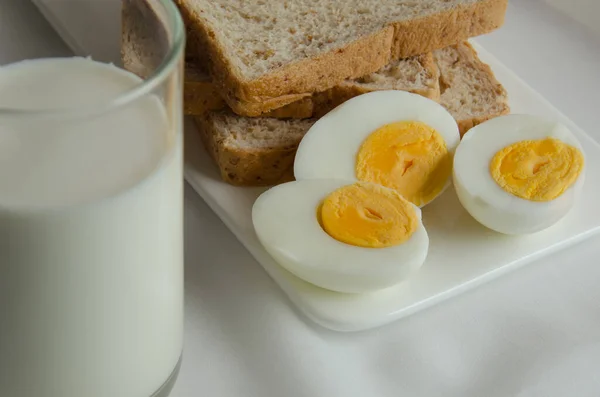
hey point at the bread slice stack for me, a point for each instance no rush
(259, 73)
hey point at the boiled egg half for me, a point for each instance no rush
(518, 174)
(343, 236)
(396, 139)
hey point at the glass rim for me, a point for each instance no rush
(156, 78)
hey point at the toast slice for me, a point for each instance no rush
(266, 54)
(252, 151)
(468, 87)
(417, 74)
(260, 151)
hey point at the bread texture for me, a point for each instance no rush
(468, 87)
(266, 54)
(417, 74)
(260, 151)
(252, 151)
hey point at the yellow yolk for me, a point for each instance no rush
(537, 170)
(407, 156)
(367, 215)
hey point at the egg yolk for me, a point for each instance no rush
(407, 156)
(367, 215)
(537, 170)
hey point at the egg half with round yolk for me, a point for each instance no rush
(339, 235)
(393, 138)
(518, 174)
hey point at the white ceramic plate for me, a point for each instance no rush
(462, 255)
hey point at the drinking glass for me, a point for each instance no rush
(91, 217)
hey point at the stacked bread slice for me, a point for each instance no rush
(260, 73)
(260, 151)
(417, 74)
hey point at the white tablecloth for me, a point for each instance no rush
(535, 332)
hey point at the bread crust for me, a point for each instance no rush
(201, 96)
(298, 80)
(451, 27)
(247, 167)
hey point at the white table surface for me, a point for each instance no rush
(535, 332)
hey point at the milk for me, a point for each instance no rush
(91, 276)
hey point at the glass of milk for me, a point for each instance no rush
(91, 245)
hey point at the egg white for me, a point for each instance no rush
(484, 199)
(330, 147)
(285, 221)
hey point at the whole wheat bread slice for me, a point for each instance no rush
(252, 151)
(468, 87)
(265, 54)
(260, 151)
(417, 74)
